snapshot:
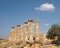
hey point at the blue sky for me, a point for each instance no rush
(13, 12)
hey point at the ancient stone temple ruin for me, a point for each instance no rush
(27, 35)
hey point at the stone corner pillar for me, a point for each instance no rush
(11, 38)
(18, 33)
(36, 26)
(26, 30)
(37, 35)
(31, 30)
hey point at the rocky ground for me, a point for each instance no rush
(7, 44)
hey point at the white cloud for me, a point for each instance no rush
(46, 24)
(46, 7)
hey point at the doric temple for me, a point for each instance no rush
(29, 32)
(27, 36)
(26, 33)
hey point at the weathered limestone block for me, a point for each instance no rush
(37, 45)
(58, 46)
(49, 46)
(21, 45)
(33, 46)
(15, 46)
(27, 46)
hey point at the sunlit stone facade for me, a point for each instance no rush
(24, 34)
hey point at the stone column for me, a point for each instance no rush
(26, 30)
(36, 31)
(22, 33)
(19, 33)
(31, 31)
(15, 35)
(11, 38)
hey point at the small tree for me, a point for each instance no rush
(54, 31)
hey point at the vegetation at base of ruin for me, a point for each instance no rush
(54, 33)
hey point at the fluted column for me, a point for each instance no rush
(11, 38)
(15, 34)
(31, 31)
(36, 31)
(19, 33)
(22, 33)
(26, 30)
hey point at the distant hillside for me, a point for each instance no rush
(1, 39)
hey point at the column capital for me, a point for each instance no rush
(36, 21)
(18, 25)
(12, 27)
(25, 22)
(30, 20)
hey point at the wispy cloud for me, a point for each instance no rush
(46, 24)
(46, 7)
